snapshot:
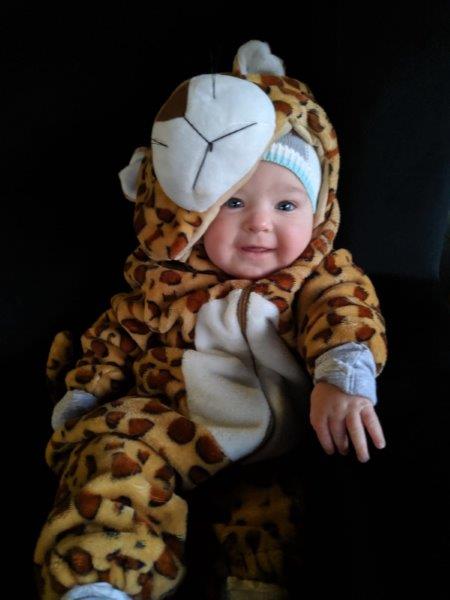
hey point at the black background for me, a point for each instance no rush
(82, 88)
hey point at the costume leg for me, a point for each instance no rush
(117, 518)
(258, 519)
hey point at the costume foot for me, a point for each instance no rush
(248, 589)
(95, 591)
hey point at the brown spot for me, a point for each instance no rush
(91, 465)
(364, 333)
(170, 277)
(181, 430)
(178, 245)
(280, 303)
(330, 265)
(104, 575)
(159, 495)
(292, 82)
(329, 234)
(165, 565)
(84, 375)
(123, 466)
(314, 121)
(175, 544)
(196, 299)
(165, 473)
(208, 450)
(145, 580)
(139, 273)
(320, 245)
(339, 301)
(160, 354)
(79, 561)
(198, 474)
(285, 281)
(113, 418)
(154, 407)
(158, 379)
(283, 107)
(135, 326)
(129, 563)
(261, 288)
(124, 500)
(143, 456)
(334, 319)
(127, 344)
(308, 253)
(324, 335)
(304, 323)
(87, 504)
(139, 427)
(194, 219)
(97, 412)
(99, 348)
(165, 215)
(175, 106)
(360, 292)
(364, 311)
(116, 403)
(271, 80)
(153, 309)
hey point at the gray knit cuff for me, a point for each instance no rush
(351, 367)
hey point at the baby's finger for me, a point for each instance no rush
(323, 433)
(373, 426)
(339, 433)
(358, 436)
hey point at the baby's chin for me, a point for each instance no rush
(251, 272)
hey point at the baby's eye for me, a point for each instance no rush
(228, 202)
(288, 202)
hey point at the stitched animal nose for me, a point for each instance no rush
(210, 146)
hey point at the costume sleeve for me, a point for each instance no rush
(351, 368)
(110, 347)
(337, 305)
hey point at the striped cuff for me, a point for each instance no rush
(351, 367)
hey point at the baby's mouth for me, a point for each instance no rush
(256, 249)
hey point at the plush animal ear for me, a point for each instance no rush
(129, 175)
(256, 57)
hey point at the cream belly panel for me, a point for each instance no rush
(241, 405)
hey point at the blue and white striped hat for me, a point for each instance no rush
(292, 152)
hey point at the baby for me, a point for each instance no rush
(264, 227)
(240, 313)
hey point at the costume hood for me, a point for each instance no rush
(207, 141)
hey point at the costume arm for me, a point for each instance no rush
(338, 305)
(110, 347)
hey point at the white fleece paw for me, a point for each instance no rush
(95, 591)
(74, 403)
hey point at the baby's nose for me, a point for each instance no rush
(258, 222)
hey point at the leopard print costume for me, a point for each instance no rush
(117, 516)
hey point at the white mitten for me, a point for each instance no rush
(74, 403)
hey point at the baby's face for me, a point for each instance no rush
(272, 210)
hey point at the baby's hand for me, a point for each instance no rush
(333, 413)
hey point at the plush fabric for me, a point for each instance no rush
(118, 517)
